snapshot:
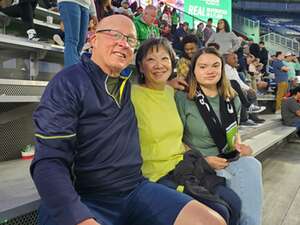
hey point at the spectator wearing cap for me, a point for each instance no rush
(144, 24)
(281, 78)
(124, 9)
(290, 110)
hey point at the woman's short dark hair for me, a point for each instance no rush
(226, 28)
(151, 44)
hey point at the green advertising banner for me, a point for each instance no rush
(204, 9)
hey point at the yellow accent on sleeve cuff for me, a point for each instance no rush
(54, 137)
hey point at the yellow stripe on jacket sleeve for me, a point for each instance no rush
(54, 137)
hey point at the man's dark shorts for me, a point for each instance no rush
(148, 204)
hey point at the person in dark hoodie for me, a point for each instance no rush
(87, 166)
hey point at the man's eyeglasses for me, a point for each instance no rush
(117, 36)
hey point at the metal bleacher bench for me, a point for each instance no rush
(32, 50)
(267, 139)
(40, 19)
(268, 97)
(42, 13)
(266, 135)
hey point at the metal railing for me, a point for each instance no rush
(253, 28)
(248, 27)
(277, 39)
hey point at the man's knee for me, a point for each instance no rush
(196, 213)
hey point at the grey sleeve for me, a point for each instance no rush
(236, 43)
(293, 106)
(211, 39)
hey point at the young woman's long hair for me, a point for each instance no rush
(226, 28)
(223, 85)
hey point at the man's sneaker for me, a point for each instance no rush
(32, 36)
(248, 123)
(255, 108)
(57, 39)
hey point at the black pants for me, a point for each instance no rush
(23, 10)
(236, 86)
(247, 98)
(47, 3)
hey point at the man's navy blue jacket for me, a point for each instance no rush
(79, 125)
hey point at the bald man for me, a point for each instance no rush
(87, 166)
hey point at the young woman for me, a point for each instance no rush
(160, 127)
(227, 40)
(209, 114)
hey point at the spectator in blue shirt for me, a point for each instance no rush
(281, 78)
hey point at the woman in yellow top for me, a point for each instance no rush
(159, 123)
(160, 127)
